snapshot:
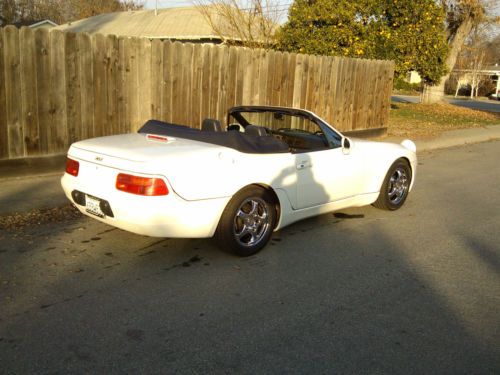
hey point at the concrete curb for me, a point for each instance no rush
(452, 138)
(460, 137)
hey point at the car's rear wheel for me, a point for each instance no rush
(395, 187)
(247, 222)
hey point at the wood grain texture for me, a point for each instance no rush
(13, 92)
(29, 105)
(4, 133)
(58, 88)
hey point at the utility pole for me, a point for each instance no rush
(156, 8)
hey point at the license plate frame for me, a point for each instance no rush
(93, 206)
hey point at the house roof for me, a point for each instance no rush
(42, 22)
(184, 23)
(32, 23)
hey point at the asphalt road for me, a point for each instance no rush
(363, 291)
(483, 105)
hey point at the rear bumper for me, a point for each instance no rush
(162, 216)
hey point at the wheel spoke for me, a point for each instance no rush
(244, 231)
(242, 215)
(255, 207)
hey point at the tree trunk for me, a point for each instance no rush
(459, 84)
(435, 93)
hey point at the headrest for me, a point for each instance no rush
(255, 130)
(211, 125)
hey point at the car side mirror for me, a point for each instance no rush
(346, 145)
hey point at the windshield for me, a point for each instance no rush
(298, 131)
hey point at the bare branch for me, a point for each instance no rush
(250, 23)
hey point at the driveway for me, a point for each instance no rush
(361, 291)
(483, 105)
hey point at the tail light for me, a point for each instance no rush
(72, 167)
(141, 185)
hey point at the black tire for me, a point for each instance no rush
(396, 185)
(247, 222)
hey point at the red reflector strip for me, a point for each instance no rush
(72, 167)
(141, 185)
(157, 137)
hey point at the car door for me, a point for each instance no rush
(327, 176)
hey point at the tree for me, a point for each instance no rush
(59, 11)
(409, 32)
(251, 23)
(462, 16)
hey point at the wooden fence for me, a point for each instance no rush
(57, 88)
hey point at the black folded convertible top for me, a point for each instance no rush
(233, 139)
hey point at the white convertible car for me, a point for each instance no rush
(272, 166)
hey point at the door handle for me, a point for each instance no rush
(303, 164)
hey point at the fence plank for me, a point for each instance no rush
(166, 90)
(112, 78)
(222, 102)
(86, 69)
(13, 92)
(29, 106)
(156, 78)
(4, 134)
(196, 91)
(121, 87)
(206, 80)
(4, 137)
(185, 106)
(43, 83)
(176, 74)
(58, 141)
(144, 82)
(73, 88)
(132, 79)
(232, 80)
(245, 69)
(100, 84)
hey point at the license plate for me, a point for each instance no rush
(93, 206)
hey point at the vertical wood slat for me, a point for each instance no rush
(132, 83)
(13, 92)
(156, 78)
(29, 106)
(176, 77)
(42, 46)
(120, 87)
(222, 99)
(58, 141)
(206, 80)
(58, 88)
(112, 78)
(100, 84)
(73, 88)
(86, 77)
(4, 137)
(143, 82)
(197, 82)
(185, 107)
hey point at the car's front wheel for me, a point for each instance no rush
(247, 222)
(395, 187)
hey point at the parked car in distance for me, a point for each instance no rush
(494, 96)
(270, 167)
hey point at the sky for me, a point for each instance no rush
(150, 4)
